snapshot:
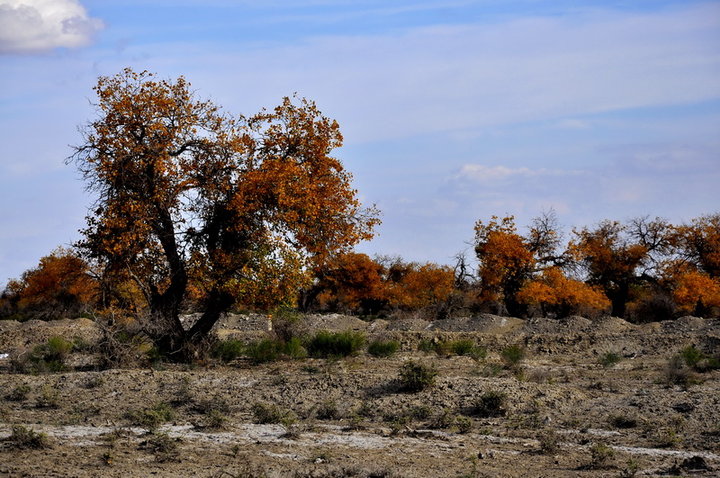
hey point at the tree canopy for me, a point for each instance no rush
(234, 208)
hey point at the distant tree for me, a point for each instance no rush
(696, 293)
(421, 286)
(698, 244)
(610, 260)
(237, 207)
(505, 262)
(62, 285)
(350, 282)
(556, 294)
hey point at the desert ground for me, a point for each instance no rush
(589, 398)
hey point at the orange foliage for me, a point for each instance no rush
(505, 259)
(554, 292)
(611, 260)
(699, 243)
(236, 207)
(695, 291)
(352, 282)
(421, 286)
(60, 285)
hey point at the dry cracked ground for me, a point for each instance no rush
(590, 398)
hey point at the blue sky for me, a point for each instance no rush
(452, 111)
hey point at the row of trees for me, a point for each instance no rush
(200, 210)
(641, 270)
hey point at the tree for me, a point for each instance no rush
(696, 292)
(506, 262)
(555, 293)
(60, 286)
(698, 243)
(187, 194)
(611, 258)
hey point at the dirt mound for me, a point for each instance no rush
(409, 324)
(612, 325)
(572, 324)
(486, 323)
(23, 335)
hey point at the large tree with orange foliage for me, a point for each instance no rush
(188, 194)
(62, 285)
(506, 262)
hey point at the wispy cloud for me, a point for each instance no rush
(480, 173)
(30, 26)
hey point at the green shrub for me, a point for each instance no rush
(426, 346)
(462, 347)
(270, 413)
(294, 349)
(490, 404)
(601, 454)
(22, 437)
(698, 360)
(335, 344)
(266, 350)
(383, 348)
(610, 359)
(152, 417)
(512, 355)
(228, 350)
(415, 377)
(163, 447)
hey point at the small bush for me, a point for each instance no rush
(426, 346)
(462, 347)
(415, 377)
(549, 442)
(600, 455)
(19, 393)
(266, 350)
(489, 404)
(49, 398)
(153, 417)
(270, 413)
(228, 350)
(610, 359)
(163, 447)
(328, 410)
(335, 344)
(383, 348)
(23, 437)
(512, 355)
(623, 421)
(698, 360)
(294, 349)
(677, 372)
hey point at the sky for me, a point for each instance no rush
(452, 111)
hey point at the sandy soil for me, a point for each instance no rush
(565, 414)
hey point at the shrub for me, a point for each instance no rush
(415, 377)
(153, 417)
(549, 442)
(677, 372)
(270, 413)
(489, 404)
(294, 348)
(23, 437)
(163, 447)
(697, 360)
(600, 455)
(266, 350)
(512, 355)
(609, 359)
(462, 347)
(228, 350)
(383, 348)
(49, 398)
(623, 421)
(328, 410)
(335, 344)
(19, 393)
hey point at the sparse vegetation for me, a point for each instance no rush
(416, 377)
(326, 344)
(23, 437)
(512, 356)
(383, 348)
(489, 405)
(609, 359)
(152, 417)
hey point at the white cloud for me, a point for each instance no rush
(28, 26)
(490, 174)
